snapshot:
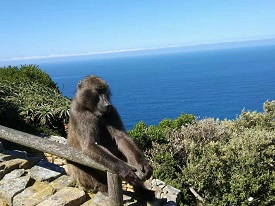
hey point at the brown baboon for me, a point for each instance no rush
(95, 128)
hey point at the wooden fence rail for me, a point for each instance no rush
(69, 153)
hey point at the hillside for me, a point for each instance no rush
(226, 162)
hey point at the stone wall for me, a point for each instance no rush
(35, 179)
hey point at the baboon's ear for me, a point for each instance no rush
(79, 85)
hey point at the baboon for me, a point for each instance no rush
(95, 127)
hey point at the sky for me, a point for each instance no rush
(46, 28)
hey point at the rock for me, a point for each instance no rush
(46, 171)
(172, 190)
(10, 188)
(128, 199)
(61, 182)
(5, 157)
(171, 193)
(68, 196)
(127, 187)
(51, 166)
(14, 174)
(3, 203)
(33, 195)
(58, 161)
(157, 182)
(30, 162)
(50, 159)
(101, 199)
(88, 203)
(16, 189)
(65, 168)
(10, 165)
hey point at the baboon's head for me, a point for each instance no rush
(93, 94)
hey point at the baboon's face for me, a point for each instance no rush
(103, 101)
(94, 95)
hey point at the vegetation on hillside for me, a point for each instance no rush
(226, 162)
(31, 101)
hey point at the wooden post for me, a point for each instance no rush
(114, 189)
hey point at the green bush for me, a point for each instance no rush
(139, 134)
(144, 135)
(229, 173)
(163, 159)
(269, 109)
(31, 101)
(257, 120)
(26, 74)
(226, 162)
(182, 120)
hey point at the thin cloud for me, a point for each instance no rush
(74, 55)
(133, 50)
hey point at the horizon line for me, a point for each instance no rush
(117, 51)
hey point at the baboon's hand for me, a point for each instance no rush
(128, 174)
(147, 169)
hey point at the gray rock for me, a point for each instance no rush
(68, 196)
(172, 194)
(89, 203)
(10, 188)
(46, 171)
(8, 166)
(5, 157)
(171, 190)
(101, 199)
(61, 182)
(33, 195)
(157, 182)
(14, 174)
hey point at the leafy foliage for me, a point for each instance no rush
(26, 74)
(226, 162)
(144, 135)
(31, 100)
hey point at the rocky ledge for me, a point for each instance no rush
(35, 179)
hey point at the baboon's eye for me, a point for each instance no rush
(101, 91)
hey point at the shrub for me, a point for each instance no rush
(228, 173)
(265, 120)
(226, 162)
(31, 101)
(144, 135)
(26, 74)
(269, 109)
(139, 134)
(183, 119)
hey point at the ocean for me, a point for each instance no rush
(213, 83)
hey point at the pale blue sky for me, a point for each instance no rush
(61, 27)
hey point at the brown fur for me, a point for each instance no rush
(96, 128)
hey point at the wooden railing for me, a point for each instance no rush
(69, 153)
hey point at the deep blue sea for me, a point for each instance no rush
(214, 83)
